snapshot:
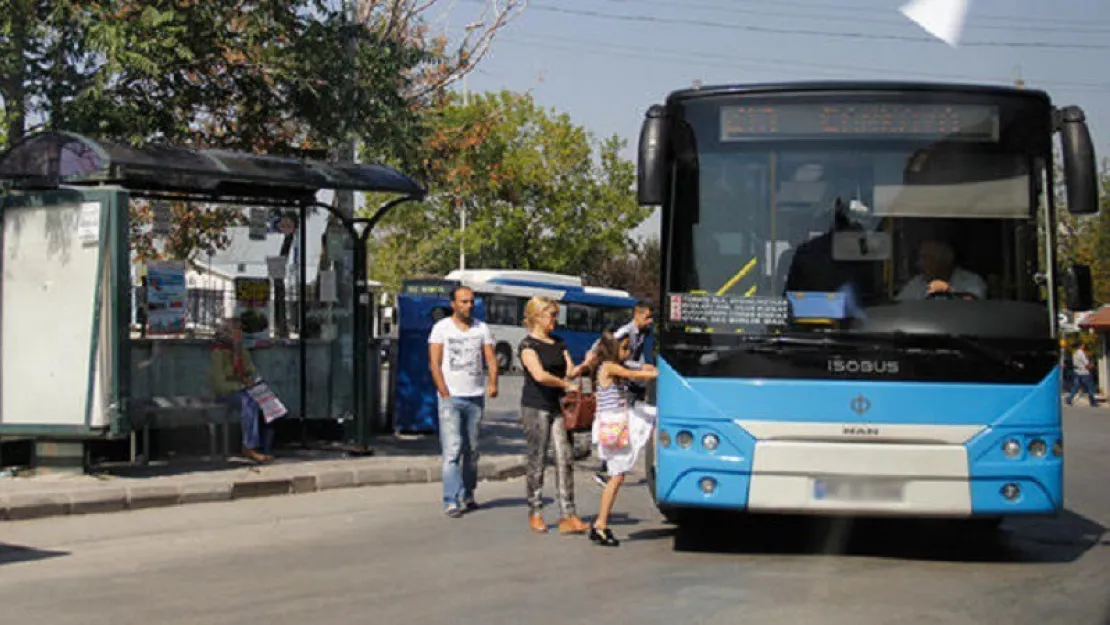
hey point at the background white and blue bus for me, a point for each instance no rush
(500, 296)
(796, 375)
(584, 311)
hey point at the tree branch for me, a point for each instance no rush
(404, 21)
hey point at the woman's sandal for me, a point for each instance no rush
(603, 537)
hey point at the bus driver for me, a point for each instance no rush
(941, 275)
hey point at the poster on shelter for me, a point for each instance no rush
(166, 297)
(252, 307)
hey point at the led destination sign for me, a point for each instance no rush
(966, 122)
(427, 287)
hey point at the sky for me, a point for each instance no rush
(605, 61)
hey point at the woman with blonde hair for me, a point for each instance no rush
(548, 370)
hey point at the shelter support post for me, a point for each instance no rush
(367, 378)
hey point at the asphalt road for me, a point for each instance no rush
(387, 555)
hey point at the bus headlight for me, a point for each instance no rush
(684, 439)
(1058, 447)
(1011, 448)
(1037, 448)
(1011, 492)
(710, 441)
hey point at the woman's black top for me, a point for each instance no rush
(554, 361)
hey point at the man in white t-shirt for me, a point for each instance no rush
(456, 348)
(941, 276)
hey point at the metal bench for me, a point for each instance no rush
(176, 412)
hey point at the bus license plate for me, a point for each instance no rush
(856, 489)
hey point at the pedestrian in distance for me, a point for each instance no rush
(1083, 377)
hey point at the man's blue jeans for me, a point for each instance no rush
(1087, 382)
(459, 421)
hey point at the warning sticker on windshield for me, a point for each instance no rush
(734, 312)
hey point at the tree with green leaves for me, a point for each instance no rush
(536, 190)
(1085, 239)
(637, 272)
(281, 76)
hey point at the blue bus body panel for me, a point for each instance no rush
(702, 406)
(578, 343)
(416, 405)
(576, 294)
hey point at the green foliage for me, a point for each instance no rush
(271, 75)
(539, 192)
(1086, 239)
(280, 76)
(197, 231)
(637, 272)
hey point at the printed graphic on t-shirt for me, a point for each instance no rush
(464, 355)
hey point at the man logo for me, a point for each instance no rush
(860, 404)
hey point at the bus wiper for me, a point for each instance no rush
(987, 351)
(771, 345)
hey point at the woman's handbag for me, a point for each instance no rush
(578, 410)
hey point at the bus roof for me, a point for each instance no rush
(540, 278)
(520, 282)
(845, 85)
(597, 290)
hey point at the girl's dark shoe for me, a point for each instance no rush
(603, 537)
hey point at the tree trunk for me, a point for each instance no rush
(13, 86)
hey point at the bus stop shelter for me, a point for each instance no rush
(71, 367)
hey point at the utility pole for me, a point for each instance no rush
(1019, 82)
(462, 201)
(350, 269)
(345, 200)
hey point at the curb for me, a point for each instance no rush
(118, 498)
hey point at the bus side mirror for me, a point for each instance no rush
(651, 170)
(1080, 173)
(1078, 288)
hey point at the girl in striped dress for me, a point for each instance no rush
(618, 431)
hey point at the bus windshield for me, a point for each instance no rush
(859, 219)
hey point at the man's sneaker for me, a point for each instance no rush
(601, 479)
(453, 511)
(470, 505)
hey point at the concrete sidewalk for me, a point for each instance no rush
(396, 460)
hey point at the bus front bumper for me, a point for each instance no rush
(851, 478)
